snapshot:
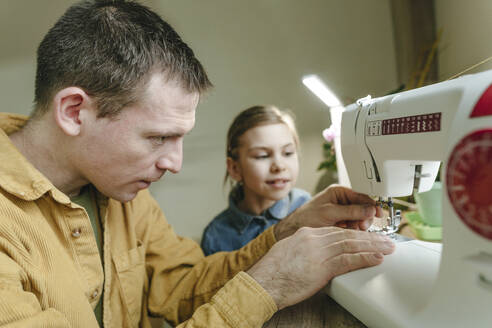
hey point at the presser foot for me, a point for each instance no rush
(390, 224)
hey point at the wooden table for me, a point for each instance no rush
(321, 310)
(315, 312)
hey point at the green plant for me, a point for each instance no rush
(330, 161)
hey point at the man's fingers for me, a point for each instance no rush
(358, 198)
(379, 211)
(357, 225)
(337, 241)
(365, 224)
(349, 212)
(321, 231)
(346, 196)
(341, 224)
(352, 246)
(344, 263)
(353, 225)
(353, 241)
(335, 234)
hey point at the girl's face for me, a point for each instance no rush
(267, 164)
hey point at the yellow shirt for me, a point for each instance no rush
(51, 273)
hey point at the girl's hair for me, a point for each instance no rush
(251, 118)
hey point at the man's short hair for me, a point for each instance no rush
(109, 48)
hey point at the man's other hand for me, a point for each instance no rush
(298, 266)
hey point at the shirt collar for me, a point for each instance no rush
(17, 175)
(280, 209)
(241, 220)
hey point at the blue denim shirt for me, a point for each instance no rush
(233, 228)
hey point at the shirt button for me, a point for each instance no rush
(76, 232)
(22, 193)
(94, 294)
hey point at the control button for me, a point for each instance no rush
(76, 232)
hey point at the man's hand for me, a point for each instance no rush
(334, 206)
(297, 267)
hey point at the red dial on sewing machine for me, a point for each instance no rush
(469, 179)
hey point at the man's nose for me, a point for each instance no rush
(171, 158)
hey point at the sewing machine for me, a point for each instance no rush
(393, 146)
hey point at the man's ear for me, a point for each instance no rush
(234, 169)
(67, 105)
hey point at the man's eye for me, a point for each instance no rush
(289, 153)
(158, 139)
(261, 156)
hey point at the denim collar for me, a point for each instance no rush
(241, 220)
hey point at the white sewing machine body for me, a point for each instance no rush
(393, 145)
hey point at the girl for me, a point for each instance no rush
(262, 166)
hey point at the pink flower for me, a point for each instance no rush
(329, 134)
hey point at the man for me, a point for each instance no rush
(82, 242)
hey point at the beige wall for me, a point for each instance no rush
(256, 53)
(466, 39)
(17, 84)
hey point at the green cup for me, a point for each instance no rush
(430, 206)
